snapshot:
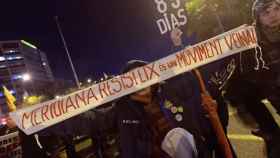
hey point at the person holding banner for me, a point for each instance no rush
(144, 129)
(164, 118)
(213, 86)
(257, 73)
(29, 144)
(267, 18)
(130, 85)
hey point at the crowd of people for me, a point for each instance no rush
(172, 119)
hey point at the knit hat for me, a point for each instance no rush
(260, 5)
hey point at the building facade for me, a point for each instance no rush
(24, 70)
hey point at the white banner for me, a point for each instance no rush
(10, 146)
(43, 115)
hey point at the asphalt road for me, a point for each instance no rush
(245, 144)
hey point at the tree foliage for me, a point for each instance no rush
(210, 17)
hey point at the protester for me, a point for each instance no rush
(266, 14)
(29, 144)
(214, 85)
(256, 74)
(141, 123)
(144, 129)
(177, 103)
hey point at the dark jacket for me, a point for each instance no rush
(258, 69)
(184, 90)
(135, 134)
(181, 91)
(30, 147)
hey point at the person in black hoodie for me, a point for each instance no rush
(256, 75)
(266, 14)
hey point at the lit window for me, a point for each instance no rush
(2, 58)
(14, 57)
(9, 51)
(18, 57)
(16, 77)
(10, 58)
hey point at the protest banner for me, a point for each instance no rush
(35, 118)
(10, 146)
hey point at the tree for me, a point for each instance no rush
(210, 17)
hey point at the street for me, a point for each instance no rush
(245, 144)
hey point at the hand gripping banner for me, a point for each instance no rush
(35, 118)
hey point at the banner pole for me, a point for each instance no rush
(213, 116)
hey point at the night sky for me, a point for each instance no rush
(101, 35)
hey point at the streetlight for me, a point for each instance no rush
(26, 77)
(89, 80)
(67, 52)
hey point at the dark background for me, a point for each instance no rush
(101, 35)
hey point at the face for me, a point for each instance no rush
(10, 122)
(270, 17)
(144, 95)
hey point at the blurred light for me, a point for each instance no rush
(31, 100)
(3, 121)
(44, 64)
(25, 95)
(13, 91)
(2, 58)
(26, 77)
(28, 44)
(10, 58)
(3, 66)
(18, 57)
(89, 80)
(15, 77)
(14, 57)
(57, 97)
(11, 51)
